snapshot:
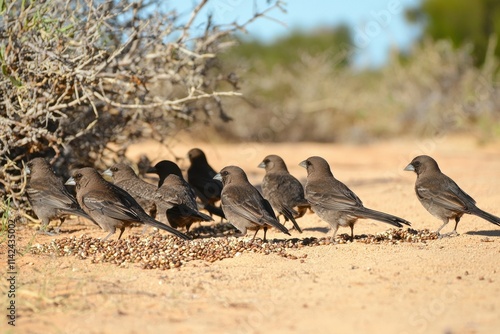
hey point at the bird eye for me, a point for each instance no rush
(78, 176)
(114, 169)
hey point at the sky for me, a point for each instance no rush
(377, 25)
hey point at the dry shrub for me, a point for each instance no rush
(83, 79)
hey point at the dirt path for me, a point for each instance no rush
(449, 285)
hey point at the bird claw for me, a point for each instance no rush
(448, 235)
(50, 234)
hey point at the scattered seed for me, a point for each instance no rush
(214, 243)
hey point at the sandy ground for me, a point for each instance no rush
(450, 285)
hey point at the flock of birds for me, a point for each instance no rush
(176, 203)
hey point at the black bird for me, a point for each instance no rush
(334, 202)
(283, 190)
(243, 205)
(47, 194)
(109, 205)
(441, 196)
(165, 168)
(200, 176)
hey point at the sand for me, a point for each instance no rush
(449, 285)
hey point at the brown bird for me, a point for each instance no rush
(180, 198)
(283, 190)
(441, 196)
(243, 205)
(109, 205)
(144, 193)
(165, 168)
(47, 194)
(334, 202)
(181, 209)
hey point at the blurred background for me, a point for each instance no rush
(362, 70)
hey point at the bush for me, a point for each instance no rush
(83, 79)
(435, 90)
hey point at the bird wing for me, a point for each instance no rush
(248, 204)
(54, 194)
(445, 192)
(139, 188)
(291, 191)
(333, 195)
(115, 207)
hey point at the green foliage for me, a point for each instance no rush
(289, 50)
(461, 21)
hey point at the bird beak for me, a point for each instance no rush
(28, 170)
(71, 182)
(409, 168)
(108, 172)
(262, 165)
(218, 177)
(303, 164)
(151, 170)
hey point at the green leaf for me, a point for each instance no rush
(15, 81)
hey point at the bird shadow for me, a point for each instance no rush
(217, 230)
(317, 229)
(486, 233)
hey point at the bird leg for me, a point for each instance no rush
(255, 234)
(352, 231)
(453, 233)
(265, 231)
(444, 224)
(109, 234)
(335, 229)
(121, 232)
(44, 229)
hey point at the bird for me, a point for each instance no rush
(166, 167)
(163, 169)
(47, 194)
(283, 190)
(181, 208)
(110, 206)
(200, 175)
(441, 196)
(334, 202)
(243, 205)
(143, 192)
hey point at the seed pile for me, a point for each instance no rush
(162, 251)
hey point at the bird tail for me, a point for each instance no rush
(275, 223)
(383, 217)
(213, 210)
(205, 217)
(289, 215)
(487, 216)
(150, 221)
(183, 210)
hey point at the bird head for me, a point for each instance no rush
(421, 164)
